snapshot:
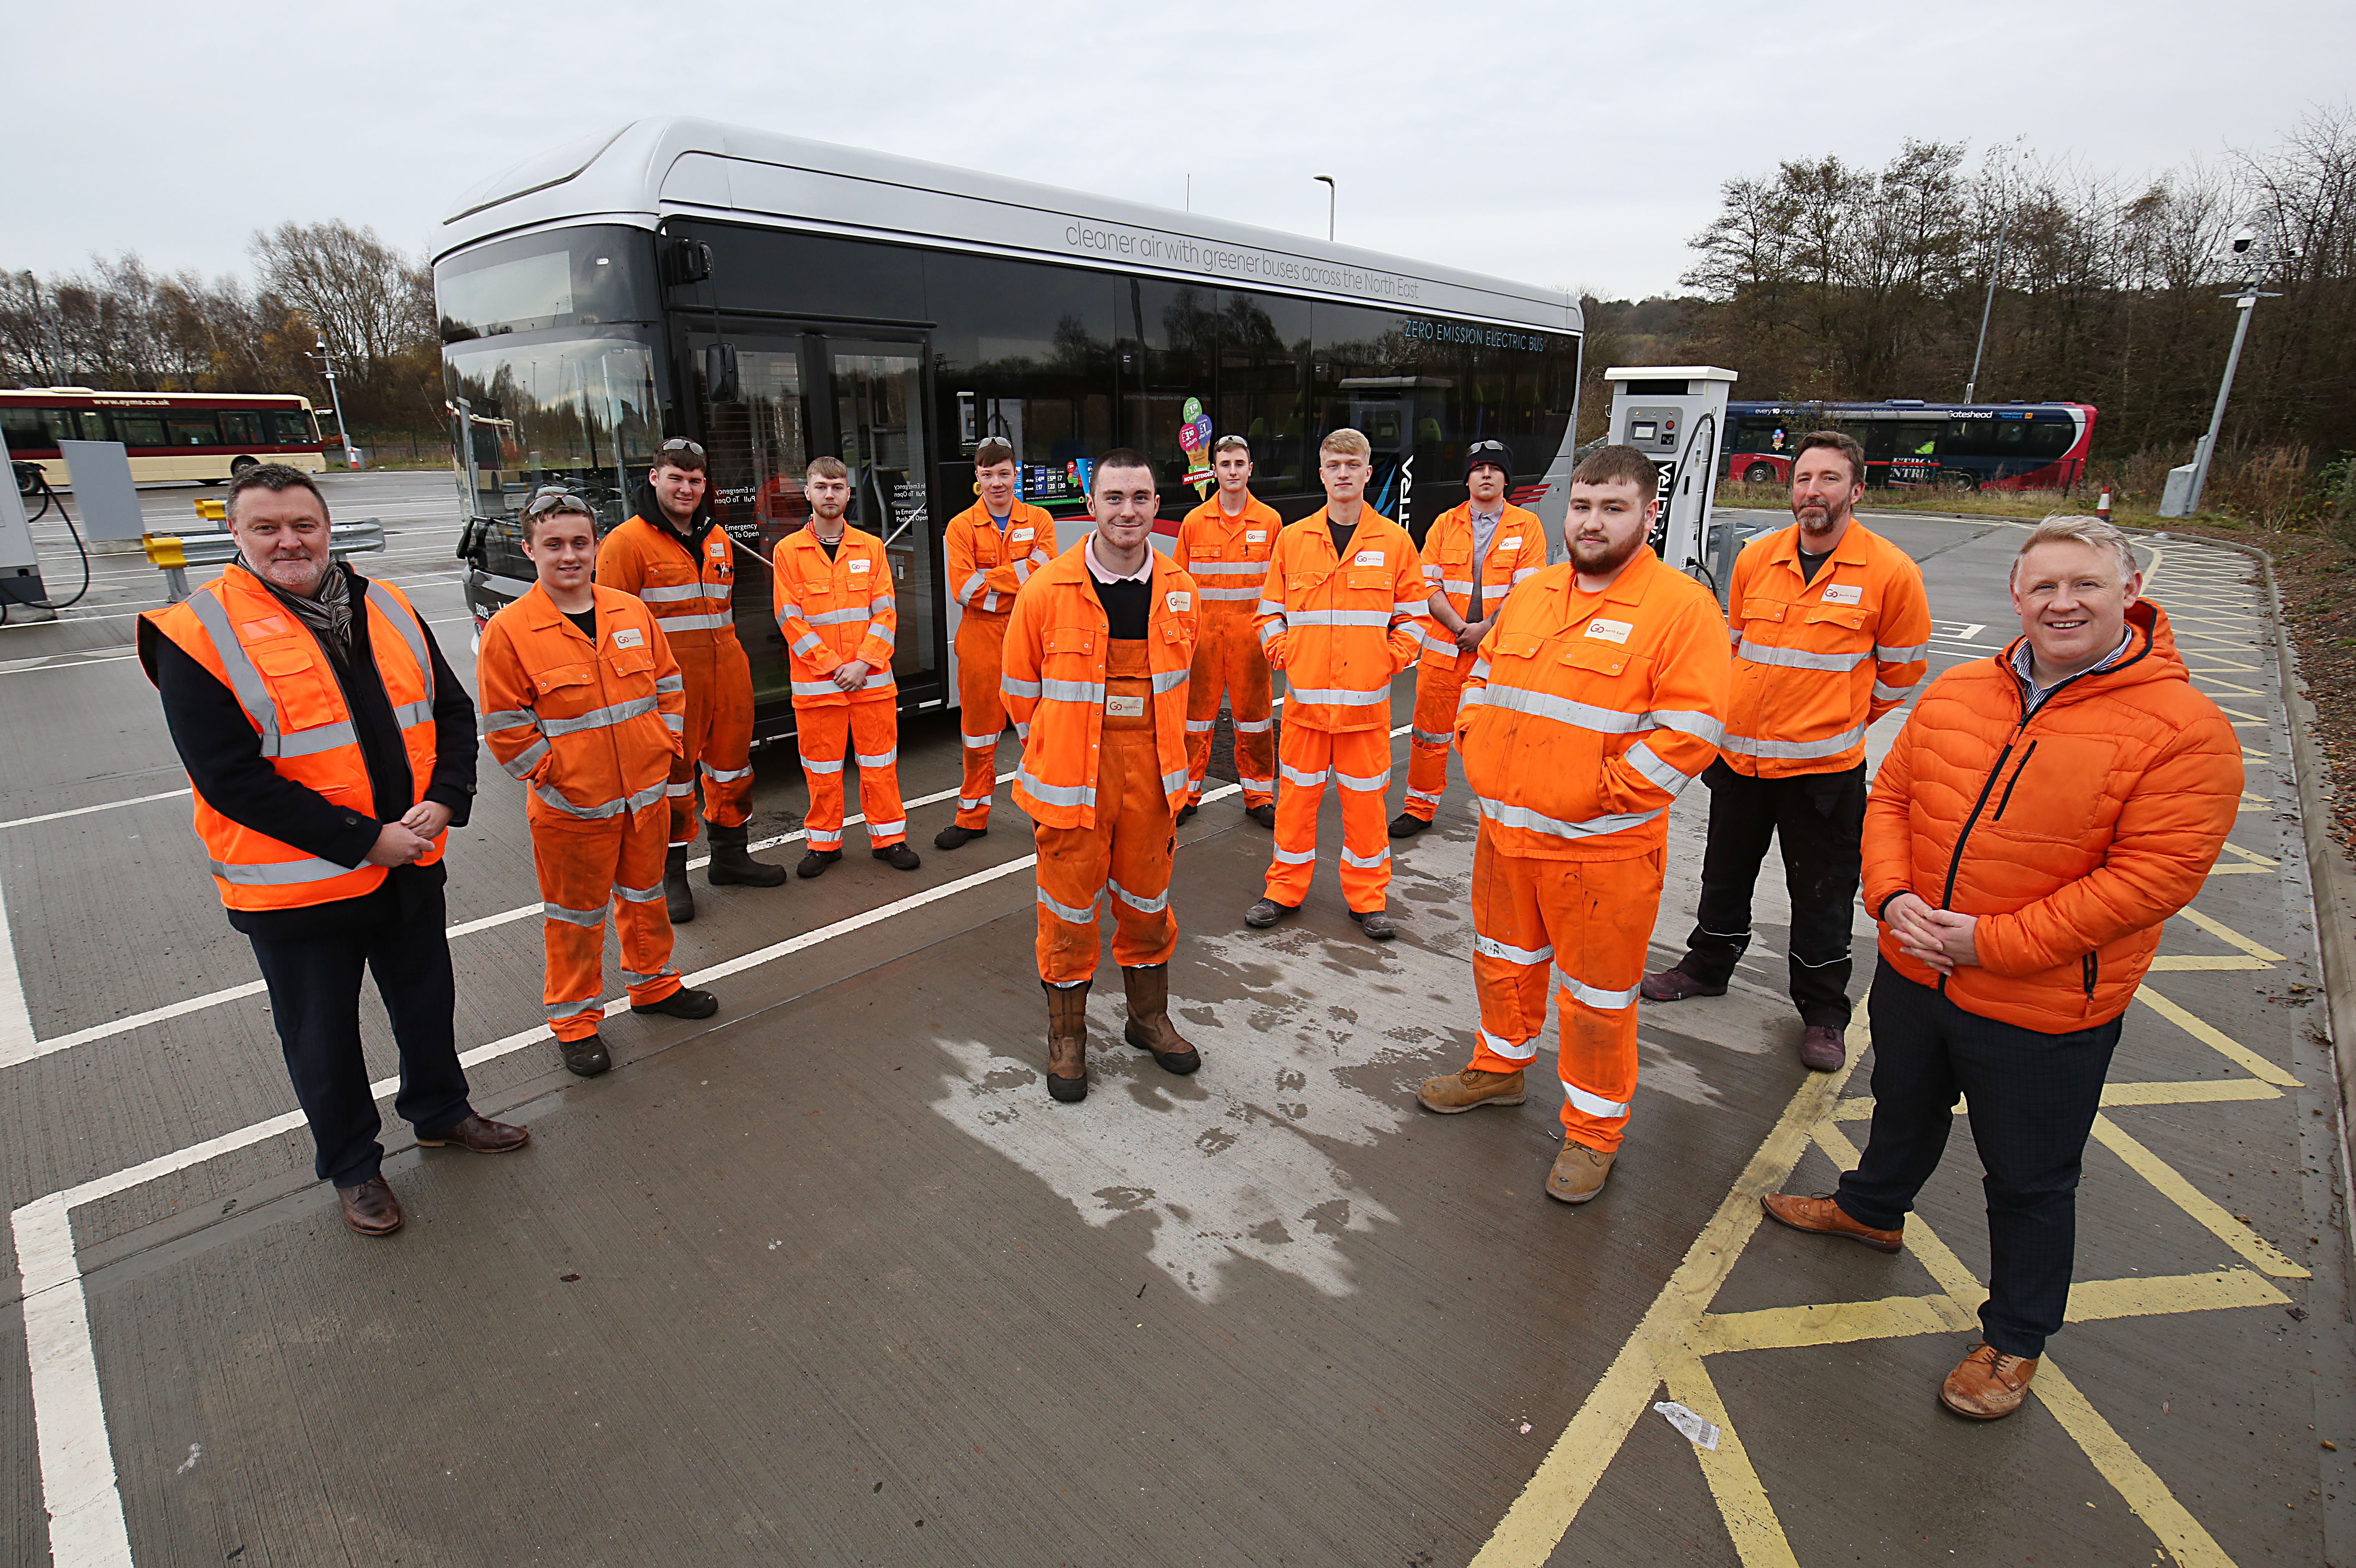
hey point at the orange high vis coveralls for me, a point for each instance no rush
(1518, 550)
(1815, 662)
(1584, 718)
(691, 587)
(832, 612)
(1104, 759)
(1228, 558)
(236, 628)
(593, 729)
(986, 571)
(1339, 629)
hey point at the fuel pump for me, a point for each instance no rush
(1676, 415)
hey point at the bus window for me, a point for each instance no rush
(2050, 438)
(36, 430)
(193, 429)
(241, 427)
(135, 429)
(290, 427)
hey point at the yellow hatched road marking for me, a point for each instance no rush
(2250, 855)
(2228, 935)
(2185, 1091)
(2214, 1038)
(2201, 1209)
(2180, 963)
(1734, 1485)
(2255, 803)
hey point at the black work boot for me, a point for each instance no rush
(1067, 1040)
(729, 863)
(585, 1057)
(678, 900)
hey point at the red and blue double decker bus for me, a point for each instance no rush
(1908, 442)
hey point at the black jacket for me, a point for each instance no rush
(222, 752)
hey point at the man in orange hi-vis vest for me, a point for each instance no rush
(1480, 549)
(1223, 544)
(1596, 700)
(674, 554)
(583, 702)
(1831, 629)
(991, 550)
(330, 749)
(834, 603)
(1096, 660)
(1337, 616)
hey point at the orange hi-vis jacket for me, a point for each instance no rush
(236, 628)
(832, 612)
(1816, 663)
(985, 572)
(1055, 685)
(1517, 551)
(1587, 713)
(592, 729)
(691, 589)
(1340, 629)
(1228, 557)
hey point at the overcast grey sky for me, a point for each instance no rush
(1575, 144)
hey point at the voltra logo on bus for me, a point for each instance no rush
(1176, 251)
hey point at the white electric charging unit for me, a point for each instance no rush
(20, 563)
(1676, 415)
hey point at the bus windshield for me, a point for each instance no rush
(578, 411)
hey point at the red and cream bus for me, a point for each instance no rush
(202, 436)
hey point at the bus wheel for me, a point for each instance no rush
(1759, 474)
(1964, 482)
(238, 469)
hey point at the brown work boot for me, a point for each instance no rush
(1149, 1027)
(371, 1208)
(1822, 1049)
(1067, 1041)
(1987, 1384)
(480, 1135)
(1824, 1217)
(1673, 984)
(1454, 1091)
(1579, 1172)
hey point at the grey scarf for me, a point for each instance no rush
(327, 610)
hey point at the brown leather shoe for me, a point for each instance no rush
(1454, 1091)
(1987, 1384)
(479, 1136)
(1824, 1217)
(1822, 1049)
(1674, 985)
(371, 1208)
(1579, 1172)
(1149, 1027)
(1067, 1042)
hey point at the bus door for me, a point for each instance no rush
(876, 425)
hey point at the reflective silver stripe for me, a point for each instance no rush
(1091, 692)
(1169, 680)
(1336, 698)
(1456, 585)
(1647, 761)
(1345, 617)
(1368, 862)
(838, 617)
(413, 714)
(1023, 570)
(1505, 815)
(1892, 693)
(806, 642)
(675, 722)
(1409, 607)
(989, 601)
(671, 683)
(1524, 1051)
(411, 633)
(1293, 775)
(1271, 631)
(1295, 857)
(978, 742)
(1492, 947)
(880, 760)
(281, 873)
(1889, 655)
(1265, 785)
(1013, 687)
(787, 610)
(672, 595)
(1417, 794)
(965, 805)
(880, 602)
(1472, 697)
(1596, 996)
(725, 775)
(1271, 607)
(1593, 1104)
(572, 1009)
(886, 829)
(509, 718)
(1021, 730)
(1796, 658)
(1201, 726)
(1563, 710)
(598, 717)
(1361, 783)
(637, 895)
(685, 787)
(317, 739)
(1700, 726)
(1433, 737)
(1230, 595)
(253, 691)
(813, 765)
(1254, 725)
(1065, 912)
(592, 917)
(1431, 575)
(523, 762)
(965, 593)
(644, 798)
(671, 623)
(883, 633)
(1524, 575)
(1227, 568)
(1055, 794)
(1480, 668)
(1795, 751)
(1143, 906)
(631, 977)
(1172, 782)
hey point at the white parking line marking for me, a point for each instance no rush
(85, 810)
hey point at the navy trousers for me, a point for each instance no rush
(2032, 1099)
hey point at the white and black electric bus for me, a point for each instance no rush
(775, 299)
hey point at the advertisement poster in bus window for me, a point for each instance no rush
(1195, 440)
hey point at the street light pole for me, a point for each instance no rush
(1972, 386)
(343, 432)
(1327, 181)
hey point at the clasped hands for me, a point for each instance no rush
(402, 843)
(1941, 938)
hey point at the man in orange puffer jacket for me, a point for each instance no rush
(2036, 821)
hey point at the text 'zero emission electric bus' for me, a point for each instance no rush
(896, 312)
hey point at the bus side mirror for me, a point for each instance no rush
(470, 541)
(720, 372)
(686, 261)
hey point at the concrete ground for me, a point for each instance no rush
(829, 1278)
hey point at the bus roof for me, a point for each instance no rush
(653, 169)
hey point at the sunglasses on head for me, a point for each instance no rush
(550, 501)
(680, 444)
